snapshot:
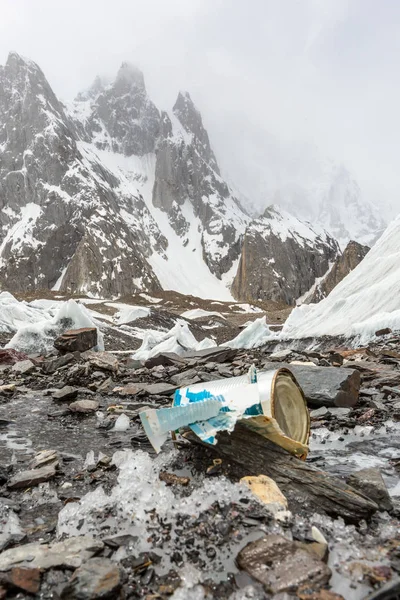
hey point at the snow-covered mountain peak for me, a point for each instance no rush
(131, 75)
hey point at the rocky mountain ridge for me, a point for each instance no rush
(110, 196)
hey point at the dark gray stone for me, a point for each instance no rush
(325, 386)
(84, 406)
(76, 340)
(370, 483)
(52, 365)
(162, 389)
(65, 393)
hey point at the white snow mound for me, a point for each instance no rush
(254, 335)
(39, 336)
(179, 339)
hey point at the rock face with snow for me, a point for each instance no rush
(110, 197)
(367, 300)
(281, 257)
(352, 255)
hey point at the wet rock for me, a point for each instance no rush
(23, 367)
(52, 365)
(319, 412)
(384, 331)
(98, 578)
(102, 360)
(370, 483)
(172, 479)
(281, 565)
(326, 386)
(9, 356)
(84, 406)
(65, 393)
(25, 579)
(70, 553)
(3, 475)
(77, 340)
(33, 477)
(45, 457)
(7, 390)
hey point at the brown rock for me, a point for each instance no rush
(9, 356)
(84, 406)
(281, 565)
(172, 479)
(26, 579)
(26, 479)
(77, 340)
(384, 331)
(102, 360)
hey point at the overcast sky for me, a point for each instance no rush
(268, 74)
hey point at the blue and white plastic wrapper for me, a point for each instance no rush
(270, 402)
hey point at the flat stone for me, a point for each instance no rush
(65, 393)
(370, 483)
(384, 331)
(84, 406)
(325, 386)
(319, 412)
(25, 579)
(97, 579)
(159, 388)
(70, 553)
(281, 565)
(52, 365)
(166, 359)
(77, 340)
(183, 378)
(23, 367)
(219, 354)
(339, 411)
(129, 390)
(45, 457)
(9, 356)
(280, 354)
(102, 360)
(33, 477)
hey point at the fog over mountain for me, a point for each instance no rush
(293, 95)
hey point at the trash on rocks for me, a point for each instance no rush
(77, 340)
(271, 403)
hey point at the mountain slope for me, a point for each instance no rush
(110, 196)
(281, 257)
(366, 300)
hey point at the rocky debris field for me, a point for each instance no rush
(87, 510)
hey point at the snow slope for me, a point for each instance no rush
(366, 300)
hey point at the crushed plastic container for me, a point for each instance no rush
(269, 402)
